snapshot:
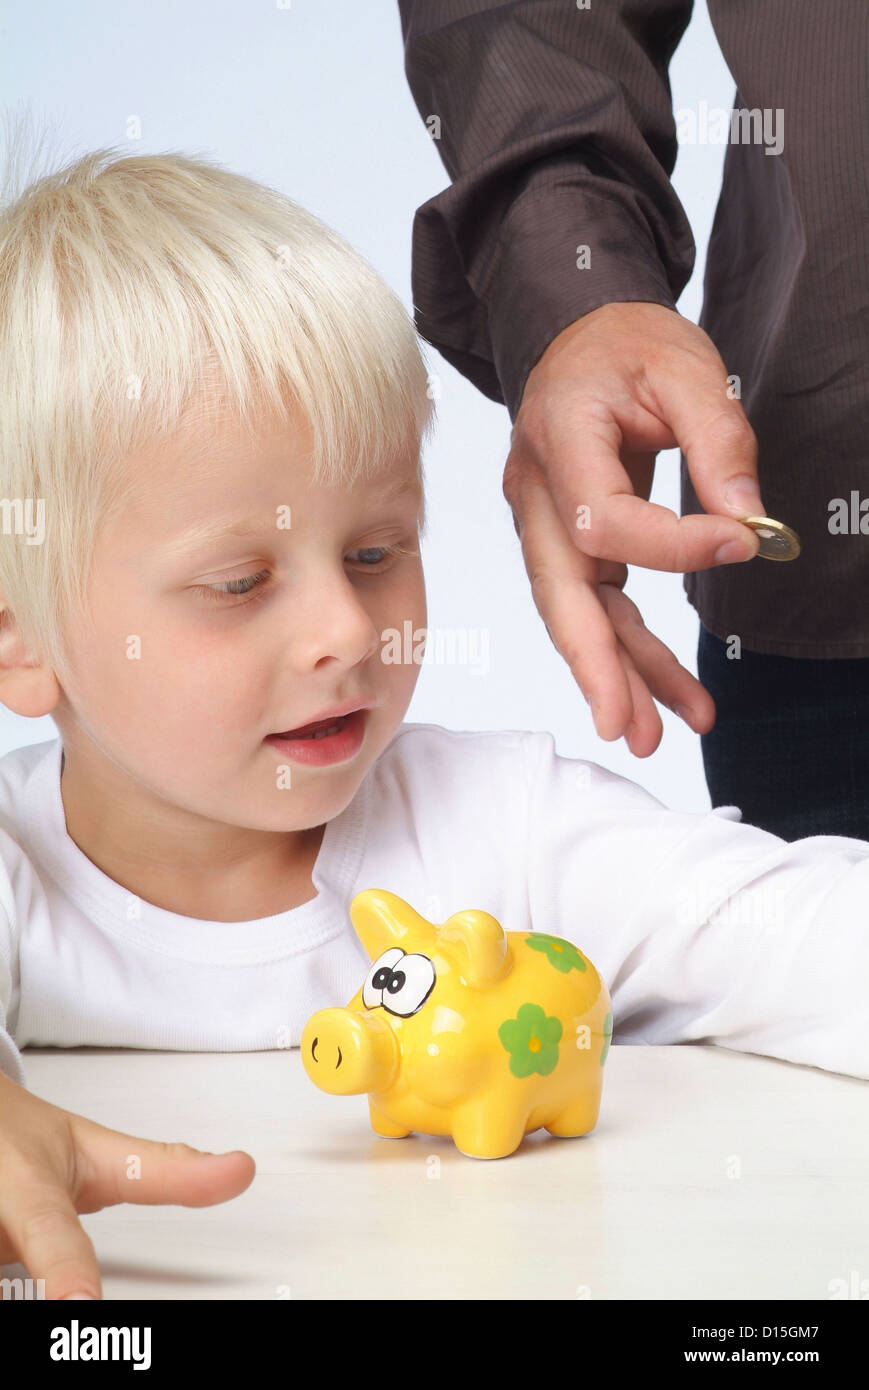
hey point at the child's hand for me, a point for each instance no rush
(54, 1164)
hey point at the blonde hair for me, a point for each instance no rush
(129, 287)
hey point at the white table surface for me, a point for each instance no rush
(711, 1174)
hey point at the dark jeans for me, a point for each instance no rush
(790, 744)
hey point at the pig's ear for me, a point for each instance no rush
(383, 919)
(483, 943)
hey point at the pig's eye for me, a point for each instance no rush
(379, 976)
(399, 982)
(410, 984)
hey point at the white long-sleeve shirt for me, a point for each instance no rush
(704, 929)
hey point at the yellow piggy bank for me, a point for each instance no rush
(465, 1029)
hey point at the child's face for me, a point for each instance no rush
(176, 686)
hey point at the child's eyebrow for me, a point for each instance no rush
(210, 533)
(196, 537)
(397, 487)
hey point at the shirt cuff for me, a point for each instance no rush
(542, 279)
(493, 315)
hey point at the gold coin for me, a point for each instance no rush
(777, 541)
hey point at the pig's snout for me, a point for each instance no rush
(346, 1053)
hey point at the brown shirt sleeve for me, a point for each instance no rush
(555, 125)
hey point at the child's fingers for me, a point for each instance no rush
(55, 1164)
(39, 1225)
(115, 1167)
(43, 1232)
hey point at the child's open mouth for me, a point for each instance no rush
(319, 729)
(324, 741)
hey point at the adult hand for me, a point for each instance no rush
(611, 390)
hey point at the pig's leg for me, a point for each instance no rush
(580, 1116)
(381, 1124)
(481, 1129)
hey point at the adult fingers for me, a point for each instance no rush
(575, 438)
(713, 432)
(564, 586)
(664, 675)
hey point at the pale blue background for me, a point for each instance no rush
(312, 98)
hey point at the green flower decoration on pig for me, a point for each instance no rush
(532, 1040)
(562, 954)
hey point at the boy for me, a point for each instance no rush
(222, 408)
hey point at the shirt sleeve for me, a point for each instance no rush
(556, 127)
(705, 929)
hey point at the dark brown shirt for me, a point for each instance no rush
(556, 126)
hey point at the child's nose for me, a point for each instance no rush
(333, 620)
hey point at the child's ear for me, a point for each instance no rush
(27, 686)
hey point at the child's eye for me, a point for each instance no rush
(374, 555)
(370, 558)
(233, 587)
